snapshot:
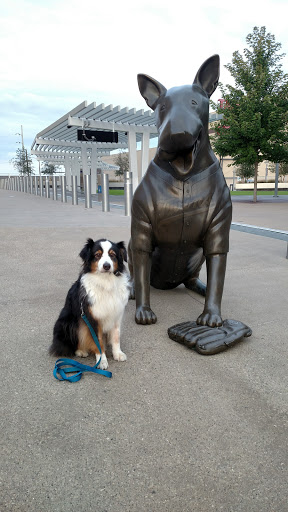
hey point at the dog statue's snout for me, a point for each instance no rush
(176, 141)
(181, 138)
(106, 266)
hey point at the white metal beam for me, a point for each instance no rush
(145, 153)
(109, 125)
(133, 158)
(77, 144)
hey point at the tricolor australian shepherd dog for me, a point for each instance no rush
(101, 292)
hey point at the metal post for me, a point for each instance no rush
(87, 190)
(63, 189)
(25, 184)
(36, 185)
(54, 187)
(41, 185)
(105, 192)
(276, 180)
(128, 192)
(31, 184)
(47, 187)
(74, 190)
(18, 184)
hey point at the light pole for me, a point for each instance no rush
(276, 180)
(24, 151)
(22, 138)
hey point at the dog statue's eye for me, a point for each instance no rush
(193, 102)
(163, 107)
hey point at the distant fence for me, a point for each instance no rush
(55, 187)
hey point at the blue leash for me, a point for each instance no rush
(62, 365)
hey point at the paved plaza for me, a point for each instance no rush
(172, 431)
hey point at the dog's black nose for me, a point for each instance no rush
(106, 266)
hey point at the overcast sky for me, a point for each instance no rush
(57, 53)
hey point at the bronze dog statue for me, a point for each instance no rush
(181, 210)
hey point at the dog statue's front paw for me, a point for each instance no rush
(119, 356)
(145, 316)
(212, 318)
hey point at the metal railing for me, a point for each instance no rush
(55, 187)
(40, 185)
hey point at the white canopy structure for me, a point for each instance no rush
(59, 144)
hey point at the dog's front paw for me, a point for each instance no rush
(103, 365)
(119, 356)
(81, 353)
(212, 318)
(145, 316)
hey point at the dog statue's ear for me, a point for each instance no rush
(122, 250)
(208, 74)
(86, 249)
(150, 89)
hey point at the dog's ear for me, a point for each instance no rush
(150, 89)
(122, 249)
(86, 249)
(208, 74)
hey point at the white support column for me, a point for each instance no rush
(94, 183)
(145, 152)
(133, 158)
(84, 160)
(67, 165)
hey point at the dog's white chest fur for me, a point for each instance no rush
(108, 296)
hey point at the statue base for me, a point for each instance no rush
(209, 340)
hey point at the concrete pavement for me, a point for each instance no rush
(172, 430)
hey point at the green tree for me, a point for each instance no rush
(122, 160)
(255, 110)
(49, 168)
(245, 171)
(22, 162)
